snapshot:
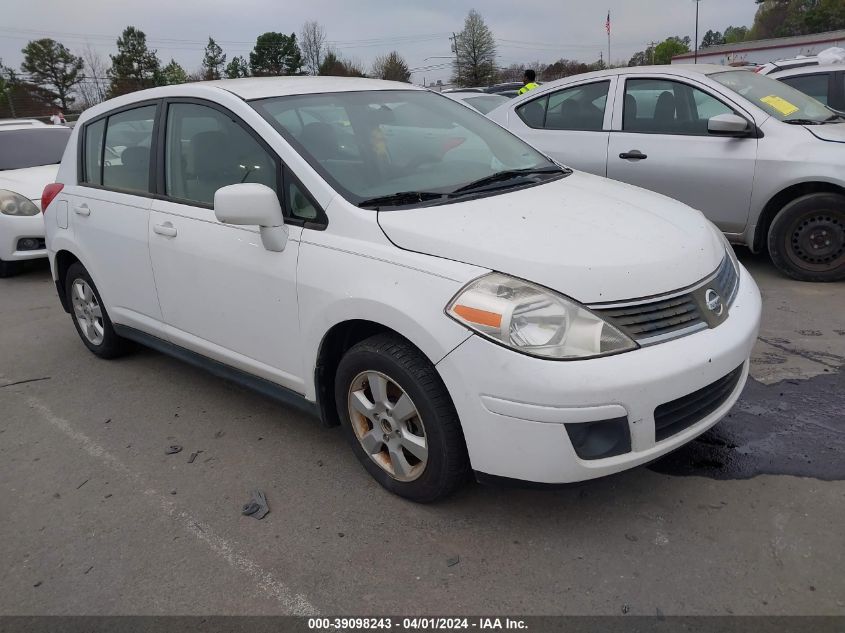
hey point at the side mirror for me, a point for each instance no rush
(250, 204)
(728, 125)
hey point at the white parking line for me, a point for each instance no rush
(291, 603)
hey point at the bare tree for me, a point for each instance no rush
(313, 45)
(392, 67)
(92, 90)
(475, 53)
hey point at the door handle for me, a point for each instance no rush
(82, 210)
(634, 154)
(166, 229)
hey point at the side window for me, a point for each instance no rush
(93, 158)
(815, 86)
(300, 205)
(126, 162)
(205, 150)
(533, 113)
(658, 106)
(578, 108)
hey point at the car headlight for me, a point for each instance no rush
(12, 203)
(534, 320)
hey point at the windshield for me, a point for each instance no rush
(774, 97)
(32, 147)
(376, 144)
(486, 103)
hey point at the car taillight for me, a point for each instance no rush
(50, 192)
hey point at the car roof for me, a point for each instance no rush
(36, 125)
(21, 123)
(263, 87)
(683, 70)
(808, 70)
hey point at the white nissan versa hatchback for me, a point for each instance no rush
(470, 306)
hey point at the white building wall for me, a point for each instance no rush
(759, 56)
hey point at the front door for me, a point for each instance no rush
(222, 293)
(661, 142)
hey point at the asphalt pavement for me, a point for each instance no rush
(96, 517)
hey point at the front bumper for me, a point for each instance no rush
(513, 407)
(15, 228)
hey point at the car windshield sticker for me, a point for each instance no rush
(780, 104)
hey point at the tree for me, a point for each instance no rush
(734, 34)
(565, 68)
(213, 61)
(475, 53)
(172, 74)
(313, 39)
(392, 67)
(712, 38)
(275, 54)
(51, 65)
(335, 65)
(643, 58)
(135, 67)
(781, 18)
(669, 48)
(93, 89)
(237, 68)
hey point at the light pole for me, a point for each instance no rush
(696, 30)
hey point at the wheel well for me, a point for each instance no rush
(334, 345)
(780, 201)
(64, 260)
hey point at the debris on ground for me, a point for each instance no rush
(173, 449)
(193, 456)
(257, 508)
(82, 484)
(453, 561)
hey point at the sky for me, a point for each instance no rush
(525, 30)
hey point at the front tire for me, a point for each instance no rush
(89, 315)
(400, 420)
(807, 238)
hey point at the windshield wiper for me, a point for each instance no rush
(504, 176)
(401, 198)
(833, 118)
(802, 122)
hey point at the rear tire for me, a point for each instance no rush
(89, 315)
(7, 269)
(392, 401)
(807, 238)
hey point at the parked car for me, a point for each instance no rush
(823, 83)
(493, 312)
(484, 103)
(788, 64)
(29, 159)
(510, 86)
(760, 159)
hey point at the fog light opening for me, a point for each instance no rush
(598, 440)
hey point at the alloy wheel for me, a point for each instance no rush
(88, 313)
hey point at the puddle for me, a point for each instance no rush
(795, 427)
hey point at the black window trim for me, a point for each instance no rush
(754, 132)
(157, 148)
(548, 95)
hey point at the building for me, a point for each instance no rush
(764, 51)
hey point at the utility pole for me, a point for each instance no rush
(697, 2)
(653, 46)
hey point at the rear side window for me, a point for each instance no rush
(206, 150)
(580, 108)
(94, 152)
(815, 86)
(126, 160)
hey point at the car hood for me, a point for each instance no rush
(28, 182)
(590, 238)
(833, 132)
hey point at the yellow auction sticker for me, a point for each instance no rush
(780, 104)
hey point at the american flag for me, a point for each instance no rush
(607, 24)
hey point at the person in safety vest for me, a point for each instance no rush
(528, 79)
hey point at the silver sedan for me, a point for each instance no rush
(763, 161)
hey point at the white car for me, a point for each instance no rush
(29, 155)
(493, 313)
(825, 84)
(763, 161)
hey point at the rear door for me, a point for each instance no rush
(222, 294)
(572, 125)
(110, 209)
(660, 142)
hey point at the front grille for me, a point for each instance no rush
(655, 321)
(675, 416)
